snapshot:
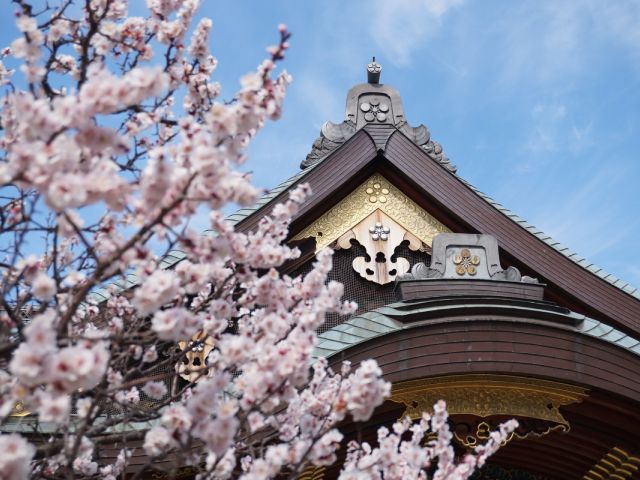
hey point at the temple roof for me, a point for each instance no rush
(378, 109)
(389, 318)
(385, 122)
(299, 177)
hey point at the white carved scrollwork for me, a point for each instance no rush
(380, 235)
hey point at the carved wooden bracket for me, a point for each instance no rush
(491, 399)
(379, 234)
(194, 365)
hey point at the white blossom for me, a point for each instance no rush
(15, 457)
(44, 287)
(157, 441)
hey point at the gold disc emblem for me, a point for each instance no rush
(465, 262)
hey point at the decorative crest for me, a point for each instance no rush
(376, 108)
(461, 255)
(373, 71)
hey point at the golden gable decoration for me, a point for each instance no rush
(377, 193)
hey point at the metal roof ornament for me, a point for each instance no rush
(378, 109)
(373, 71)
(463, 255)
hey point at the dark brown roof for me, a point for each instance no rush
(460, 207)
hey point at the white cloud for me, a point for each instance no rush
(549, 42)
(620, 20)
(401, 26)
(320, 98)
(554, 129)
(546, 131)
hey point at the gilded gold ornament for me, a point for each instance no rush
(486, 395)
(361, 203)
(616, 464)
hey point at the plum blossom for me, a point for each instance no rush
(54, 407)
(15, 457)
(157, 441)
(128, 397)
(158, 289)
(324, 451)
(399, 457)
(83, 463)
(81, 366)
(114, 145)
(44, 287)
(150, 355)
(155, 390)
(366, 390)
(29, 365)
(175, 324)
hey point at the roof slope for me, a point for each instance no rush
(375, 136)
(574, 257)
(299, 177)
(409, 166)
(384, 320)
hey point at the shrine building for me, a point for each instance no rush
(462, 300)
(458, 299)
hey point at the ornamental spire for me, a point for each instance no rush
(378, 109)
(373, 71)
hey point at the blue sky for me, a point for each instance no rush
(536, 102)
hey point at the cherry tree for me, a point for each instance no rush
(113, 137)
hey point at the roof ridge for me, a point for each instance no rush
(559, 247)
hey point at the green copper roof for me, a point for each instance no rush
(376, 323)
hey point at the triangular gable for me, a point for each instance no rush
(375, 193)
(462, 209)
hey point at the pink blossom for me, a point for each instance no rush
(40, 333)
(157, 441)
(128, 397)
(324, 451)
(44, 287)
(15, 457)
(156, 290)
(54, 407)
(175, 324)
(155, 390)
(366, 391)
(29, 364)
(150, 355)
(78, 367)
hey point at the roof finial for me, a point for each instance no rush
(373, 71)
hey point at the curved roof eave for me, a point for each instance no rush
(376, 323)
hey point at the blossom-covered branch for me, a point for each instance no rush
(113, 138)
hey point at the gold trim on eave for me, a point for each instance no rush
(487, 395)
(615, 465)
(377, 193)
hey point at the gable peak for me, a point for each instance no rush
(376, 108)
